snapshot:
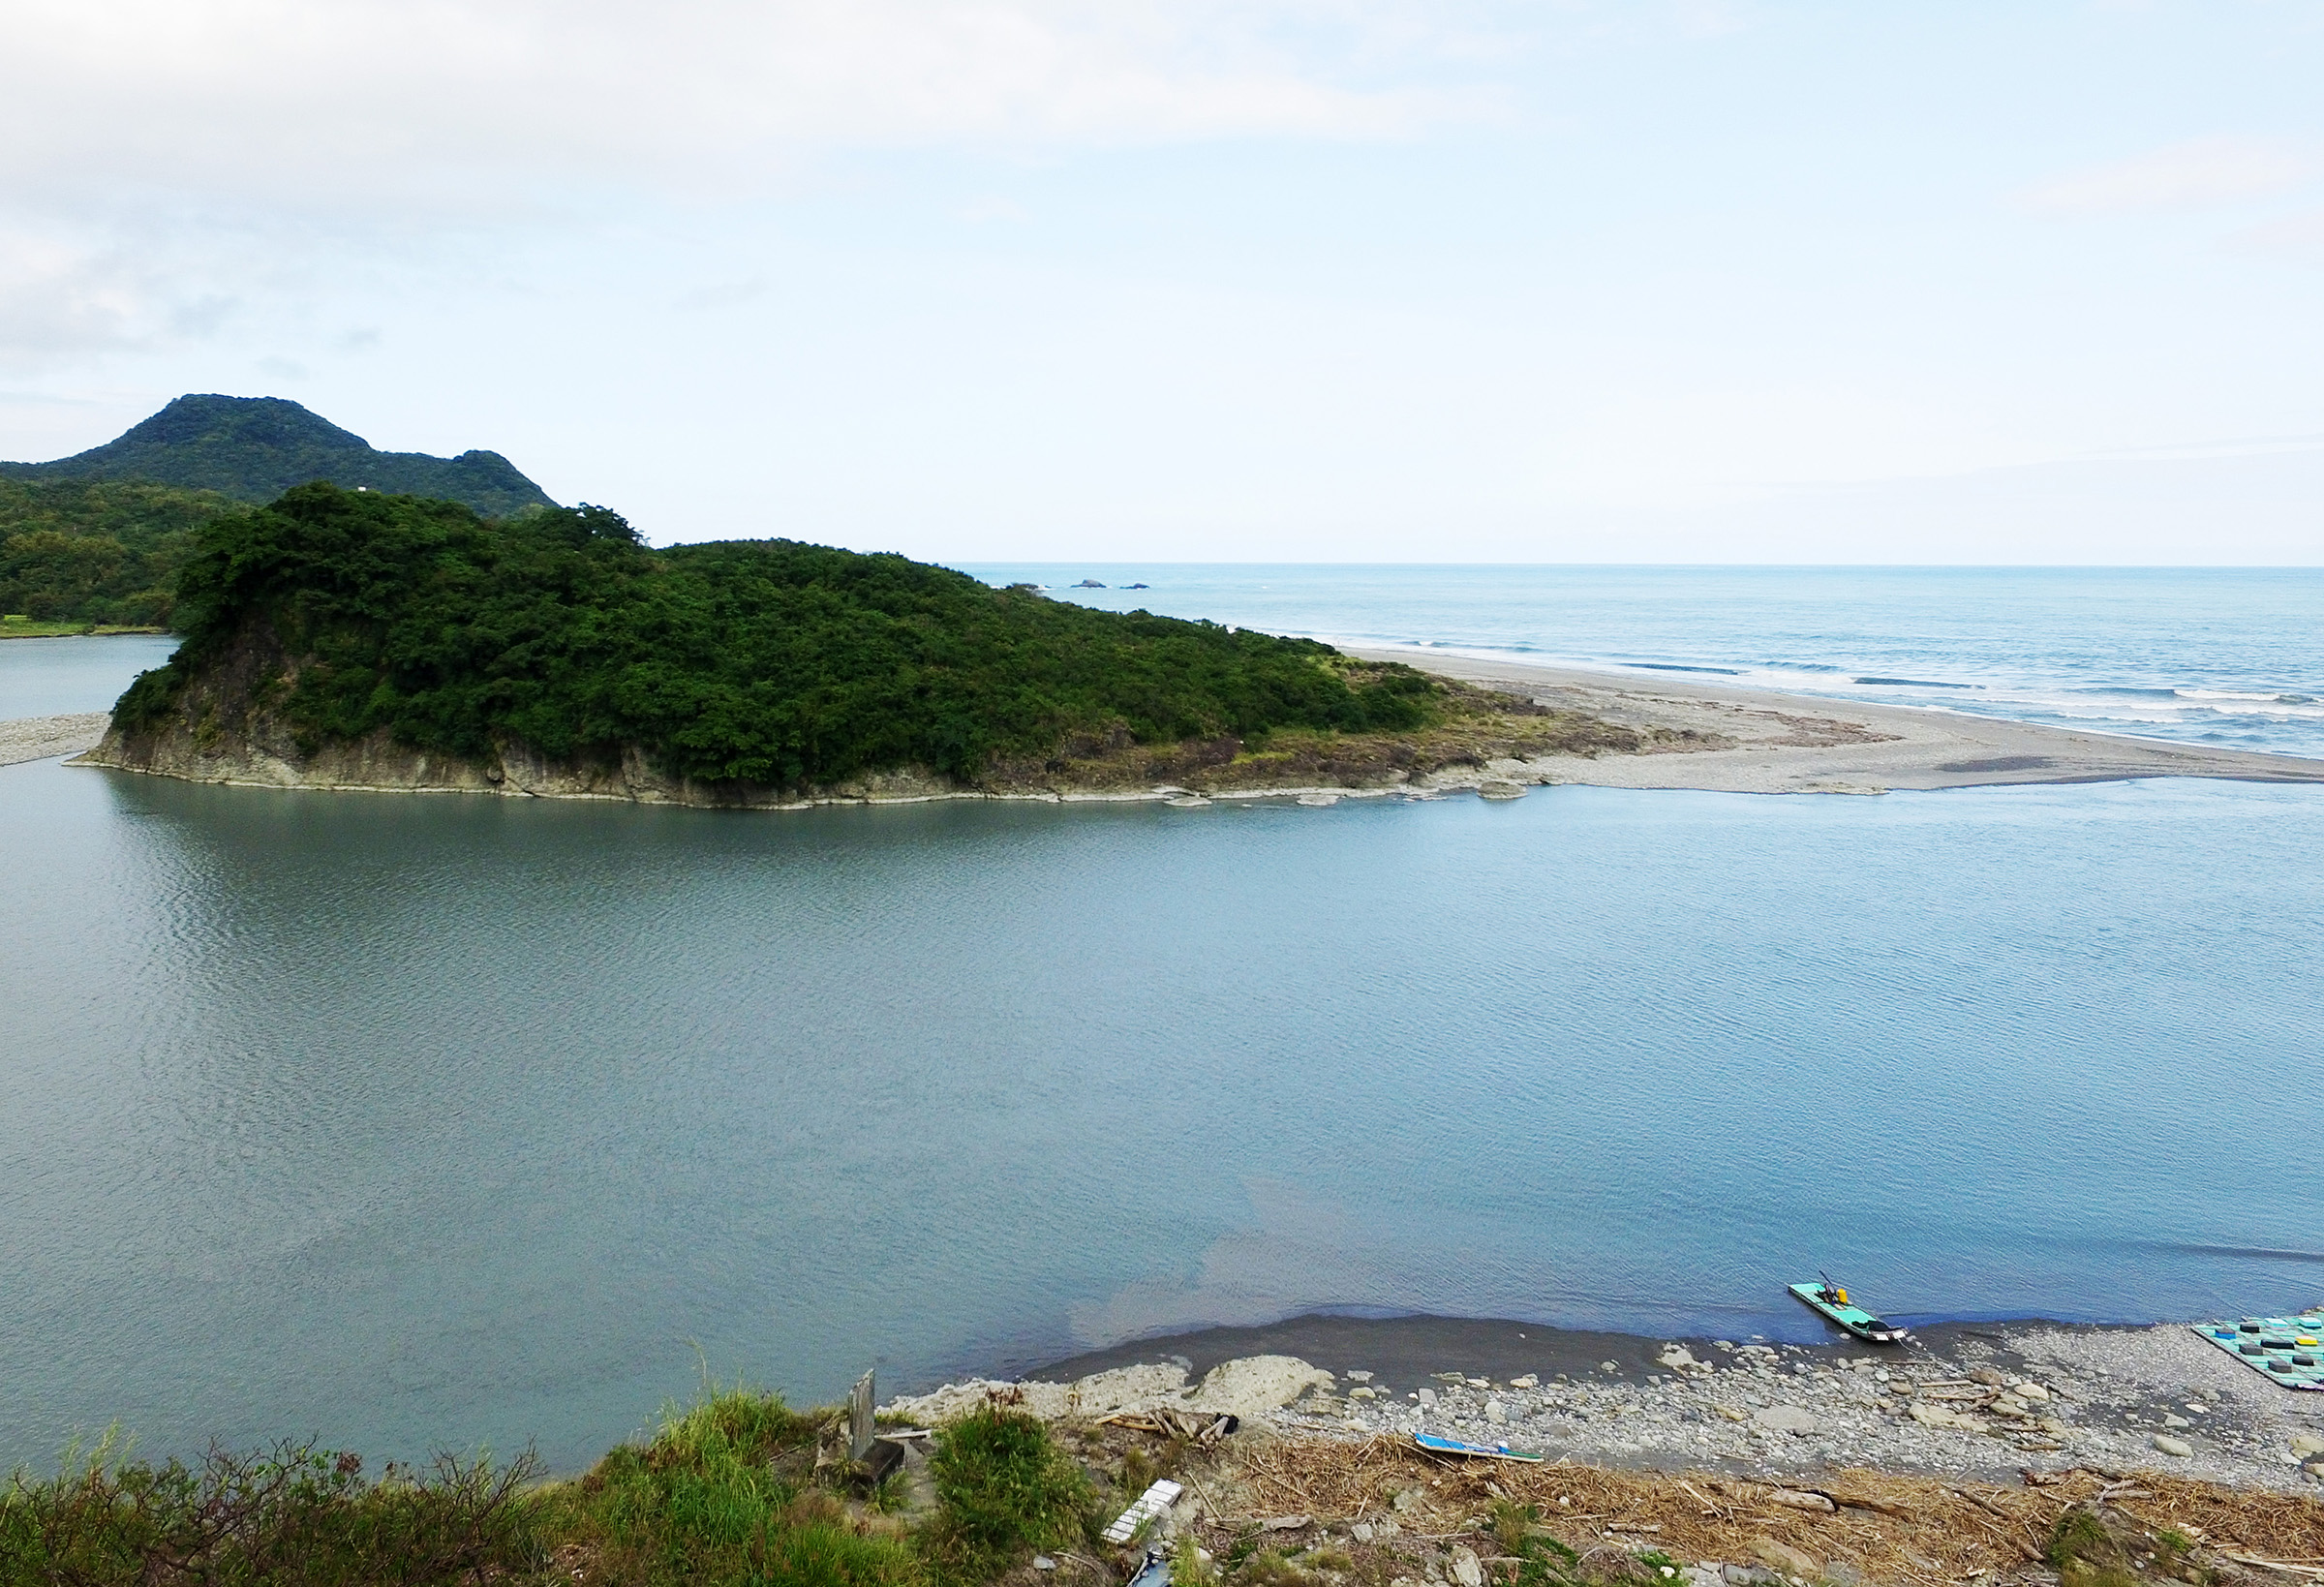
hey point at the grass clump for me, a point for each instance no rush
(722, 1495)
(2093, 1546)
(1003, 1489)
(294, 1513)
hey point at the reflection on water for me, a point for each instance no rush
(410, 1120)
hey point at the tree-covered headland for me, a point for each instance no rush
(769, 663)
(343, 615)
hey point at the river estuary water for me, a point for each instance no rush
(445, 1122)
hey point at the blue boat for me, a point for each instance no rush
(1481, 1452)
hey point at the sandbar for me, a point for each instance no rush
(1755, 740)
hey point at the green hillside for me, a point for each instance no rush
(96, 551)
(767, 663)
(254, 448)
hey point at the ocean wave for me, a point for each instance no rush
(1911, 683)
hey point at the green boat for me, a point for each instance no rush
(1830, 1301)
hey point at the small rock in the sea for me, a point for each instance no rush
(1319, 800)
(1784, 1418)
(1478, 1383)
(1608, 1367)
(1500, 789)
(1353, 1376)
(2167, 1444)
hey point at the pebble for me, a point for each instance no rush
(2167, 1444)
(1467, 1568)
(1784, 1418)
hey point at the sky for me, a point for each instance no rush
(1200, 280)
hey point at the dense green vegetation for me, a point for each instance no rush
(737, 1490)
(254, 448)
(767, 661)
(81, 552)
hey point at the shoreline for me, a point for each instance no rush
(1765, 742)
(2110, 1395)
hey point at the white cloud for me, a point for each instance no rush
(160, 158)
(491, 102)
(2202, 171)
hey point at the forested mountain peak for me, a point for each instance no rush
(254, 448)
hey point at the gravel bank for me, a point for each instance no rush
(1966, 1401)
(38, 738)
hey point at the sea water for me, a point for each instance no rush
(418, 1122)
(2229, 657)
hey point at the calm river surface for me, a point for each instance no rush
(425, 1121)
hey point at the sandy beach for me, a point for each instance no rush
(1751, 741)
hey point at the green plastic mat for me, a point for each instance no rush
(2285, 1350)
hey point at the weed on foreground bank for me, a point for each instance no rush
(737, 1488)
